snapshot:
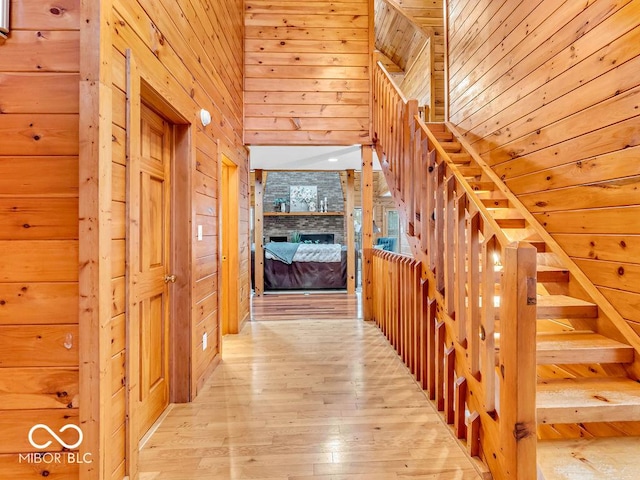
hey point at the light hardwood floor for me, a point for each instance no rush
(306, 400)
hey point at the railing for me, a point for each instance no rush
(475, 288)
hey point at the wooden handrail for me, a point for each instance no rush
(473, 283)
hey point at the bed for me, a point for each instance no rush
(300, 266)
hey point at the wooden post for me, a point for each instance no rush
(351, 257)
(488, 322)
(460, 277)
(449, 380)
(431, 346)
(258, 234)
(441, 333)
(449, 257)
(473, 434)
(94, 275)
(460, 400)
(367, 229)
(409, 112)
(518, 361)
(473, 291)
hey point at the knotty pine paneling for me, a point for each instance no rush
(402, 36)
(549, 94)
(307, 68)
(191, 53)
(39, 344)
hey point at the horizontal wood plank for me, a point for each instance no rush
(307, 98)
(39, 346)
(38, 303)
(617, 275)
(329, 32)
(314, 72)
(316, 46)
(38, 15)
(327, 137)
(34, 388)
(39, 134)
(314, 111)
(621, 220)
(299, 20)
(34, 219)
(15, 425)
(41, 51)
(305, 85)
(308, 59)
(39, 260)
(39, 93)
(38, 176)
(615, 248)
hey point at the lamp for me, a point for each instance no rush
(205, 117)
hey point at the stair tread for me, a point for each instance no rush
(593, 399)
(589, 458)
(580, 347)
(461, 158)
(549, 274)
(562, 306)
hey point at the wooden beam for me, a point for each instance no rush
(258, 233)
(367, 230)
(351, 258)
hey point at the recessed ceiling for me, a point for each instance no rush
(308, 158)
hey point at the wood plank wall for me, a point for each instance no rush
(39, 106)
(429, 15)
(548, 93)
(39, 91)
(191, 53)
(307, 72)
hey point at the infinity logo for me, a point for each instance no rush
(53, 434)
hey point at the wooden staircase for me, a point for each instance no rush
(586, 356)
(581, 375)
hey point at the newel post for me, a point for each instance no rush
(518, 361)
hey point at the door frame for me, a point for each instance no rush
(229, 231)
(182, 156)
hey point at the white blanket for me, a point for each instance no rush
(313, 252)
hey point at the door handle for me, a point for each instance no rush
(169, 278)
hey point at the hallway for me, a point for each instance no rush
(306, 400)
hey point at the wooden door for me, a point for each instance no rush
(229, 247)
(154, 272)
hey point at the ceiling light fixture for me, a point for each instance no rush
(333, 160)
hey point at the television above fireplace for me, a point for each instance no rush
(324, 238)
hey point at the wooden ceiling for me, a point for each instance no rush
(402, 30)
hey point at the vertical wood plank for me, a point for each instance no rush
(487, 327)
(473, 434)
(460, 427)
(473, 289)
(258, 226)
(351, 259)
(431, 347)
(441, 333)
(518, 360)
(461, 266)
(95, 158)
(449, 380)
(133, 262)
(449, 246)
(367, 229)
